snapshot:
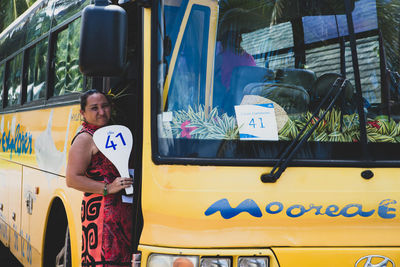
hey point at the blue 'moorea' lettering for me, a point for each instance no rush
(298, 210)
(384, 211)
(350, 210)
(227, 212)
(291, 211)
(358, 211)
(332, 211)
(270, 208)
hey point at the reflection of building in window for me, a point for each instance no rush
(265, 43)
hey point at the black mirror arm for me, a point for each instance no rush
(290, 151)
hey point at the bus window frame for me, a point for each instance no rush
(49, 100)
(28, 48)
(3, 63)
(158, 159)
(52, 53)
(17, 105)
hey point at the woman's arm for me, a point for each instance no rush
(79, 157)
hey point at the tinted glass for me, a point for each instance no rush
(379, 63)
(64, 9)
(190, 65)
(13, 80)
(39, 21)
(68, 78)
(37, 72)
(273, 66)
(13, 40)
(33, 25)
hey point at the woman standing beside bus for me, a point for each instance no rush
(106, 220)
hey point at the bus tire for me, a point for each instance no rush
(57, 245)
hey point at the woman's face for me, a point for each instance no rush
(97, 111)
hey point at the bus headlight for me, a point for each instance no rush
(162, 260)
(253, 262)
(215, 262)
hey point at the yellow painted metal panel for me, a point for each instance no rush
(42, 188)
(192, 206)
(13, 175)
(4, 232)
(38, 140)
(34, 259)
(4, 204)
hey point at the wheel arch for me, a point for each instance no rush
(59, 216)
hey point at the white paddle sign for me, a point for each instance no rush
(115, 142)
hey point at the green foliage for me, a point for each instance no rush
(13, 81)
(381, 129)
(2, 72)
(120, 97)
(11, 9)
(342, 128)
(68, 78)
(213, 126)
(335, 127)
(37, 73)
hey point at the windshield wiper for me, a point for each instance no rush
(290, 151)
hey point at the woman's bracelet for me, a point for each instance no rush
(105, 190)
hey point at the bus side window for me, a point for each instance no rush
(37, 61)
(67, 77)
(13, 81)
(2, 69)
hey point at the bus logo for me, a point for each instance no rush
(227, 212)
(375, 261)
(386, 209)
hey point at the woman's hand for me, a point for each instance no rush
(118, 184)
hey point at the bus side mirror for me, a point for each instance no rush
(103, 39)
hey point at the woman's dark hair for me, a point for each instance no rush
(88, 93)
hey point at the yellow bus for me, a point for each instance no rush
(265, 132)
(40, 86)
(39, 95)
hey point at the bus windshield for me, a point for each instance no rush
(238, 80)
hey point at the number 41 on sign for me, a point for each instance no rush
(257, 122)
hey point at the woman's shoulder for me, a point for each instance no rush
(85, 141)
(84, 136)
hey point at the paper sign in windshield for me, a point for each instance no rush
(257, 122)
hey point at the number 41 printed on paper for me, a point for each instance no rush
(257, 122)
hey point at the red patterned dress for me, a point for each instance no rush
(106, 220)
